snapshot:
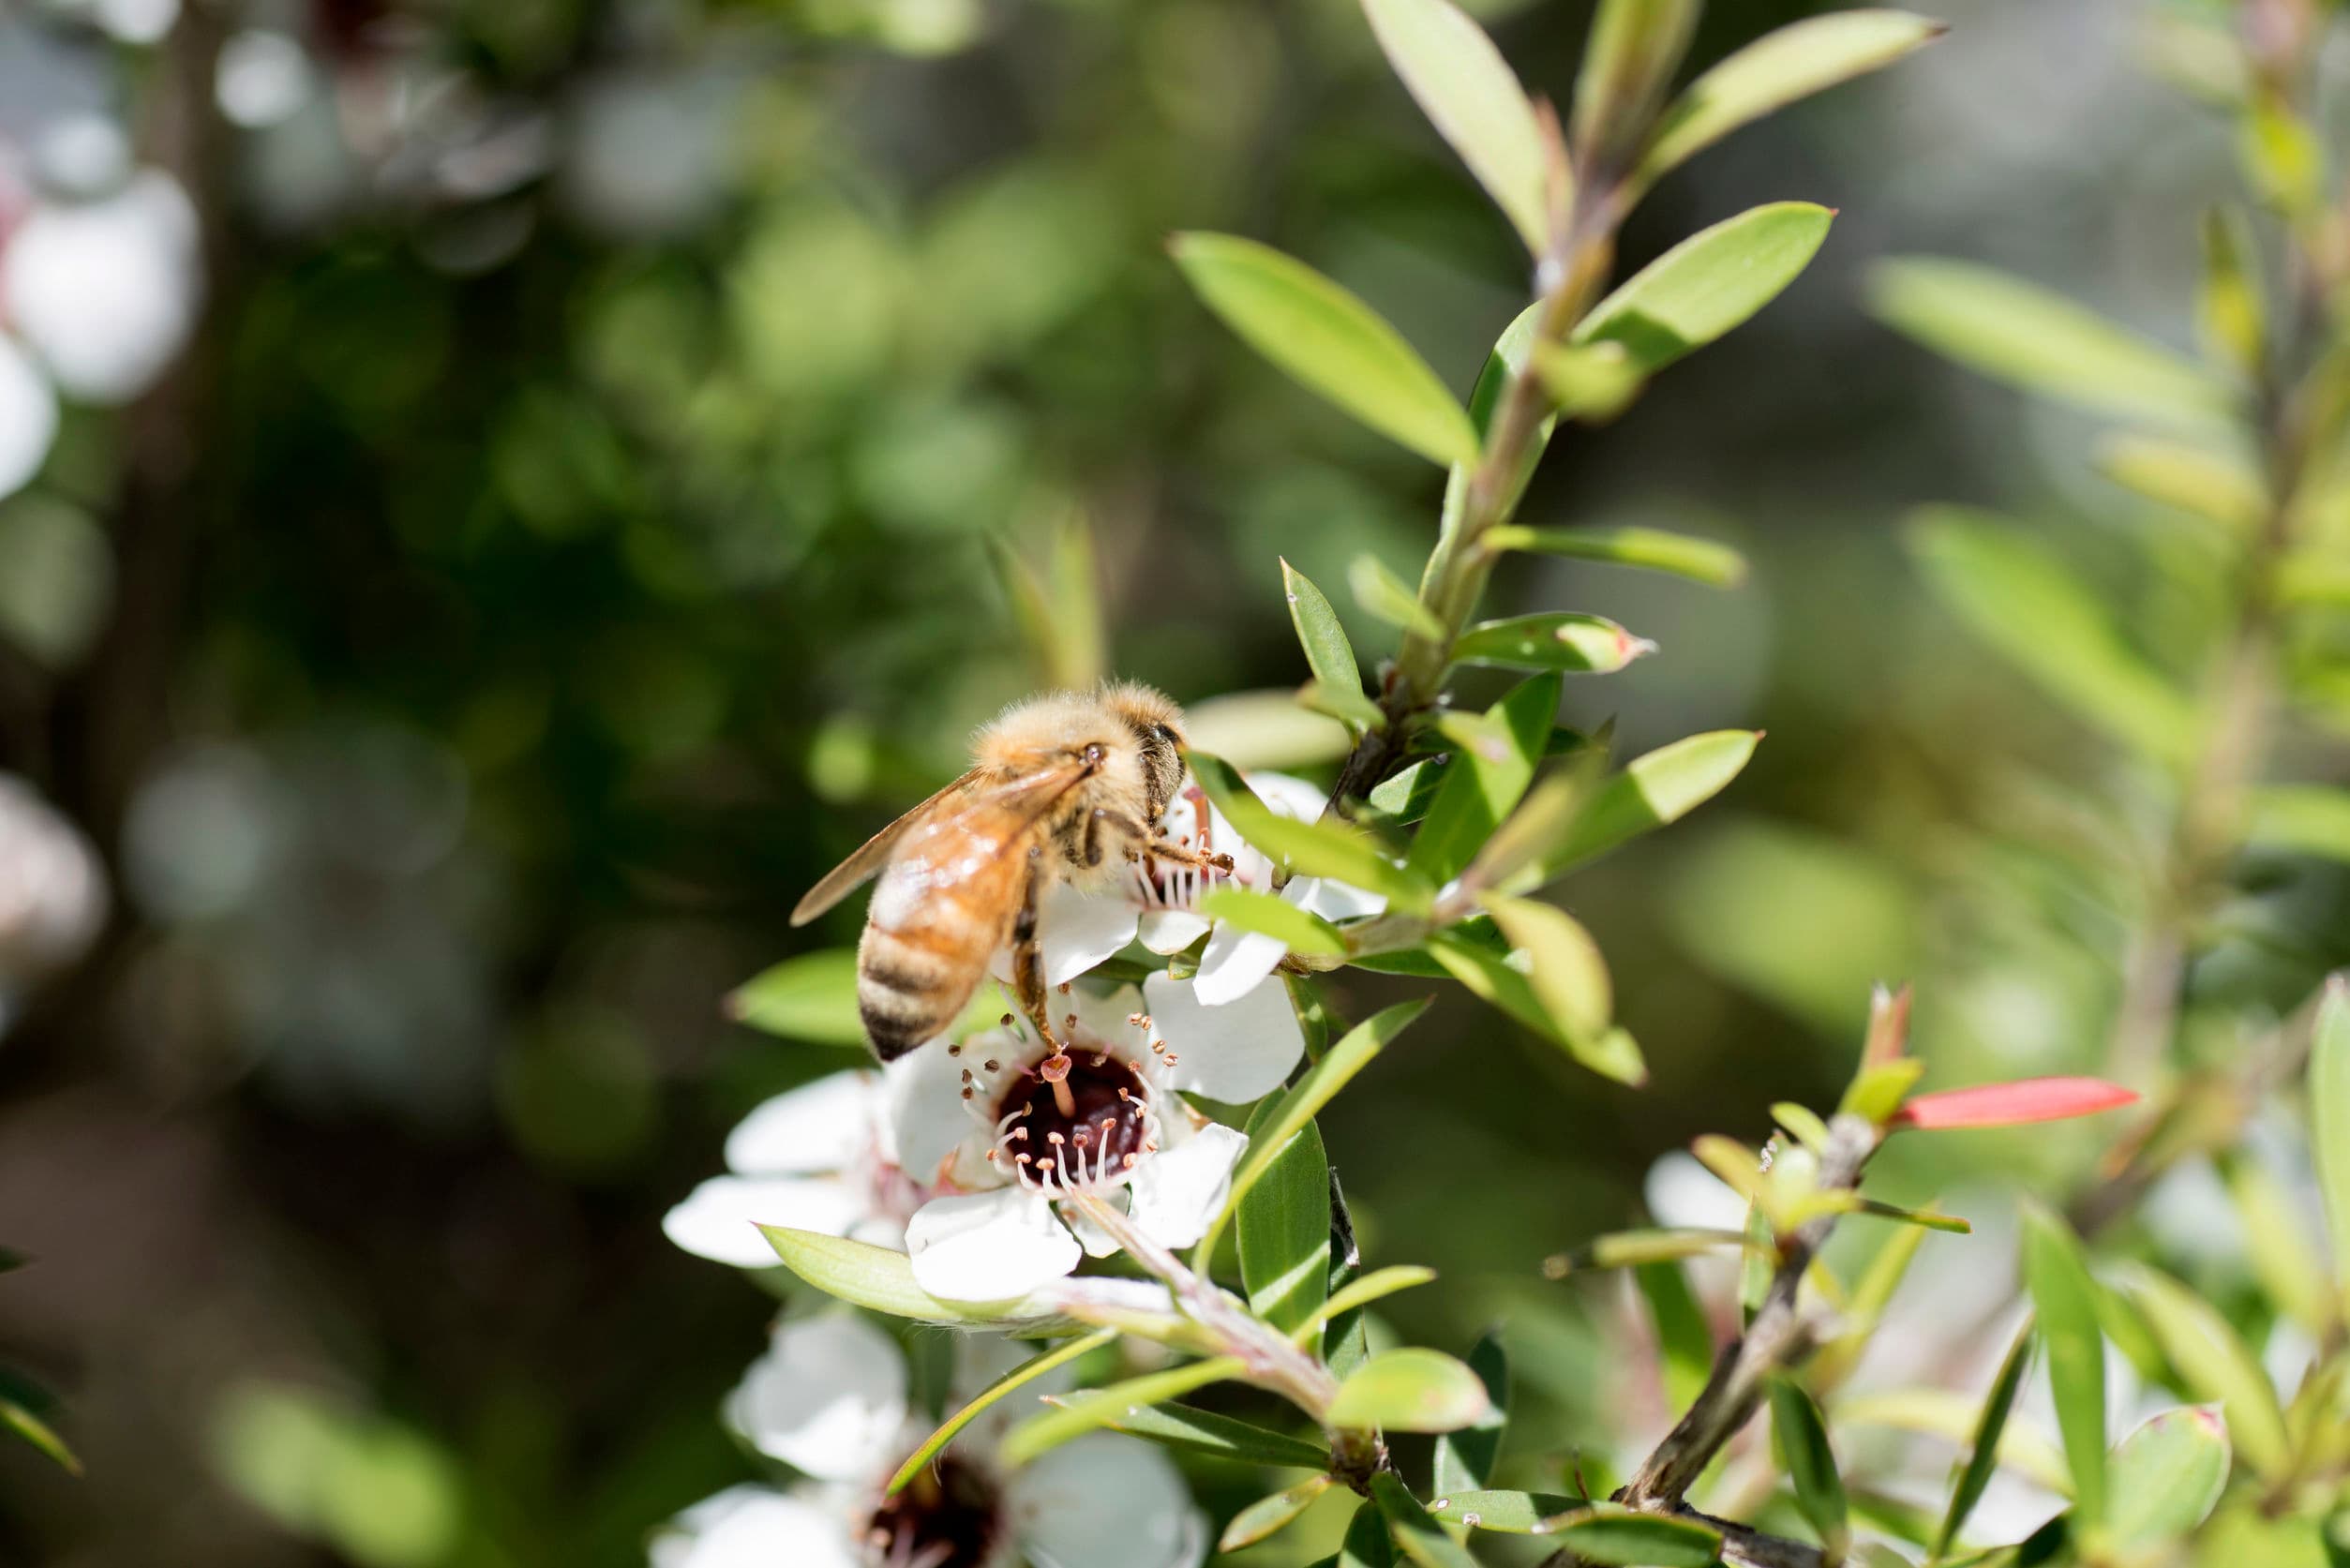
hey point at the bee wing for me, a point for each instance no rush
(870, 857)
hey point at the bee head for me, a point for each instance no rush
(1158, 727)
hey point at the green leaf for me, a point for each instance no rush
(1329, 847)
(1267, 729)
(1925, 1219)
(1569, 982)
(1269, 1515)
(1572, 644)
(1283, 1227)
(2192, 479)
(1589, 381)
(1803, 1123)
(1323, 1080)
(2014, 594)
(1473, 99)
(1802, 1436)
(32, 1429)
(1367, 1543)
(1877, 1090)
(878, 1280)
(1985, 1454)
(1345, 1338)
(1704, 560)
(1410, 1390)
(2330, 1118)
(1359, 1293)
(1628, 61)
(1684, 1340)
(1709, 283)
(1464, 1457)
(812, 997)
(1662, 786)
(2167, 1476)
(1078, 1414)
(1301, 930)
(1775, 70)
(1329, 341)
(1328, 654)
(1503, 1513)
(2066, 1300)
(2300, 820)
(2212, 1361)
(2277, 1242)
(2021, 333)
(1220, 1437)
(1384, 596)
(1492, 765)
(1605, 1534)
(1511, 352)
(1405, 798)
(1630, 1249)
(2231, 318)
(1027, 1372)
(1421, 1538)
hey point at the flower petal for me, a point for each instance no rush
(1236, 963)
(1178, 1190)
(1289, 794)
(1077, 929)
(1098, 1242)
(720, 1219)
(1169, 931)
(755, 1527)
(1104, 1018)
(828, 1397)
(1105, 1501)
(28, 418)
(1333, 900)
(1236, 1053)
(824, 1125)
(927, 1118)
(988, 1245)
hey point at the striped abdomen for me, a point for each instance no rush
(935, 921)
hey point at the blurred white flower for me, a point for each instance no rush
(1010, 1141)
(104, 292)
(829, 1398)
(822, 1157)
(1078, 930)
(28, 417)
(53, 891)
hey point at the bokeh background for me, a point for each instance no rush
(504, 493)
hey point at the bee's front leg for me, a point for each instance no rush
(1028, 982)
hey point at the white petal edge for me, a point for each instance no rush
(720, 1219)
(827, 1399)
(1076, 930)
(755, 1527)
(1105, 1501)
(1238, 1052)
(28, 418)
(1178, 1190)
(926, 1114)
(1236, 963)
(988, 1245)
(828, 1125)
(1169, 931)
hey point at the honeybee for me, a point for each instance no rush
(1066, 786)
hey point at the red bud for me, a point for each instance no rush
(2033, 1100)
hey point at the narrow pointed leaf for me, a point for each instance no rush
(1027, 1372)
(1382, 595)
(1802, 1434)
(812, 997)
(1300, 931)
(2211, 1360)
(1573, 644)
(1510, 353)
(1707, 284)
(1269, 1515)
(2066, 1300)
(1329, 341)
(1564, 966)
(1630, 1249)
(1703, 560)
(1411, 1390)
(2031, 1099)
(1220, 1437)
(1418, 1535)
(1925, 1219)
(2193, 479)
(1359, 1293)
(2277, 1242)
(1329, 847)
(1488, 776)
(2029, 338)
(1503, 1513)
(1464, 1458)
(1081, 1413)
(1663, 786)
(1609, 1534)
(2301, 819)
(1328, 654)
(2017, 596)
(2167, 1476)
(1470, 95)
(2330, 1119)
(32, 1429)
(1628, 61)
(1367, 1543)
(1283, 1229)
(1775, 70)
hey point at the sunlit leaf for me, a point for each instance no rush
(1329, 847)
(2167, 1476)
(1359, 1293)
(2330, 1118)
(1300, 931)
(2193, 479)
(1220, 1437)
(1663, 786)
(1492, 764)
(1802, 1436)
(1080, 1414)
(1803, 1123)
(1328, 339)
(1984, 1452)
(1265, 729)
(1628, 61)
(1609, 1534)
(1574, 644)
(1776, 70)
(1707, 284)
(1470, 95)
(2301, 819)
(1405, 798)
(1027, 1372)
(1511, 352)
(2066, 1300)
(1328, 654)
(1464, 1457)
(1283, 1229)
(2216, 1364)
(32, 1429)
(1704, 560)
(812, 997)
(1418, 1535)
(2030, 1099)
(1269, 1515)
(1589, 382)
(1384, 596)
(2017, 597)
(1570, 981)
(1411, 1390)
(1629, 1249)
(2029, 338)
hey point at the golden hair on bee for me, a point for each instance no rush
(1067, 785)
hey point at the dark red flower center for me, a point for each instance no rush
(946, 1518)
(1088, 1129)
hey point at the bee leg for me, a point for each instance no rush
(1028, 982)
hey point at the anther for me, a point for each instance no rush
(1005, 1021)
(994, 1066)
(954, 1047)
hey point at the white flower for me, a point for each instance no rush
(829, 1398)
(1077, 929)
(822, 1157)
(53, 891)
(1014, 1141)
